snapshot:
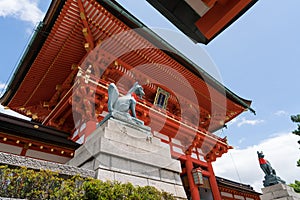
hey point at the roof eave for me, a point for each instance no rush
(33, 47)
(123, 14)
(31, 130)
(44, 28)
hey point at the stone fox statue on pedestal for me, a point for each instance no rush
(124, 103)
(119, 107)
(270, 174)
(265, 165)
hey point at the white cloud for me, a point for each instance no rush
(281, 151)
(25, 10)
(281, 113)
(250, 122)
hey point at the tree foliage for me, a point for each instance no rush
(44, 184)
(296, 119)
(296, 186)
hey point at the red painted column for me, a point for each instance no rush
(213, 182)
(24, 150)
(193, 187)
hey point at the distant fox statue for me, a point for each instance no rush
(270, 174)
(265, 165)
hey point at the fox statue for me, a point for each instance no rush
(120, 106)
(265, 165)
(270, 174)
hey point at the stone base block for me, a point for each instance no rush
(280, 192)
(121, 152)
(171, 187)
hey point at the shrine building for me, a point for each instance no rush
(82, 46)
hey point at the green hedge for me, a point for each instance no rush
(29, 184)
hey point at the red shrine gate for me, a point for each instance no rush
(62, 82)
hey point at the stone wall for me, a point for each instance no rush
(21, 161)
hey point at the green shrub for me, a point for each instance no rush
(44, 184)
(296, 186)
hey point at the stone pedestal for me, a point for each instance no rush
(125, 153)
(272, 180)
(280, 192)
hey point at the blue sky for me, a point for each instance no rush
(257, 58)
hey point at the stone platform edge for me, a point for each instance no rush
(279, 192)
(21, 161)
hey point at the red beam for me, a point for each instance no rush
(86, 32)
(219, 16)
(59, 108)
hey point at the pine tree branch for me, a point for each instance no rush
(295, 118)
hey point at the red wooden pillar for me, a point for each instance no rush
(24, 150)
(193, 187)
(213, 182)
